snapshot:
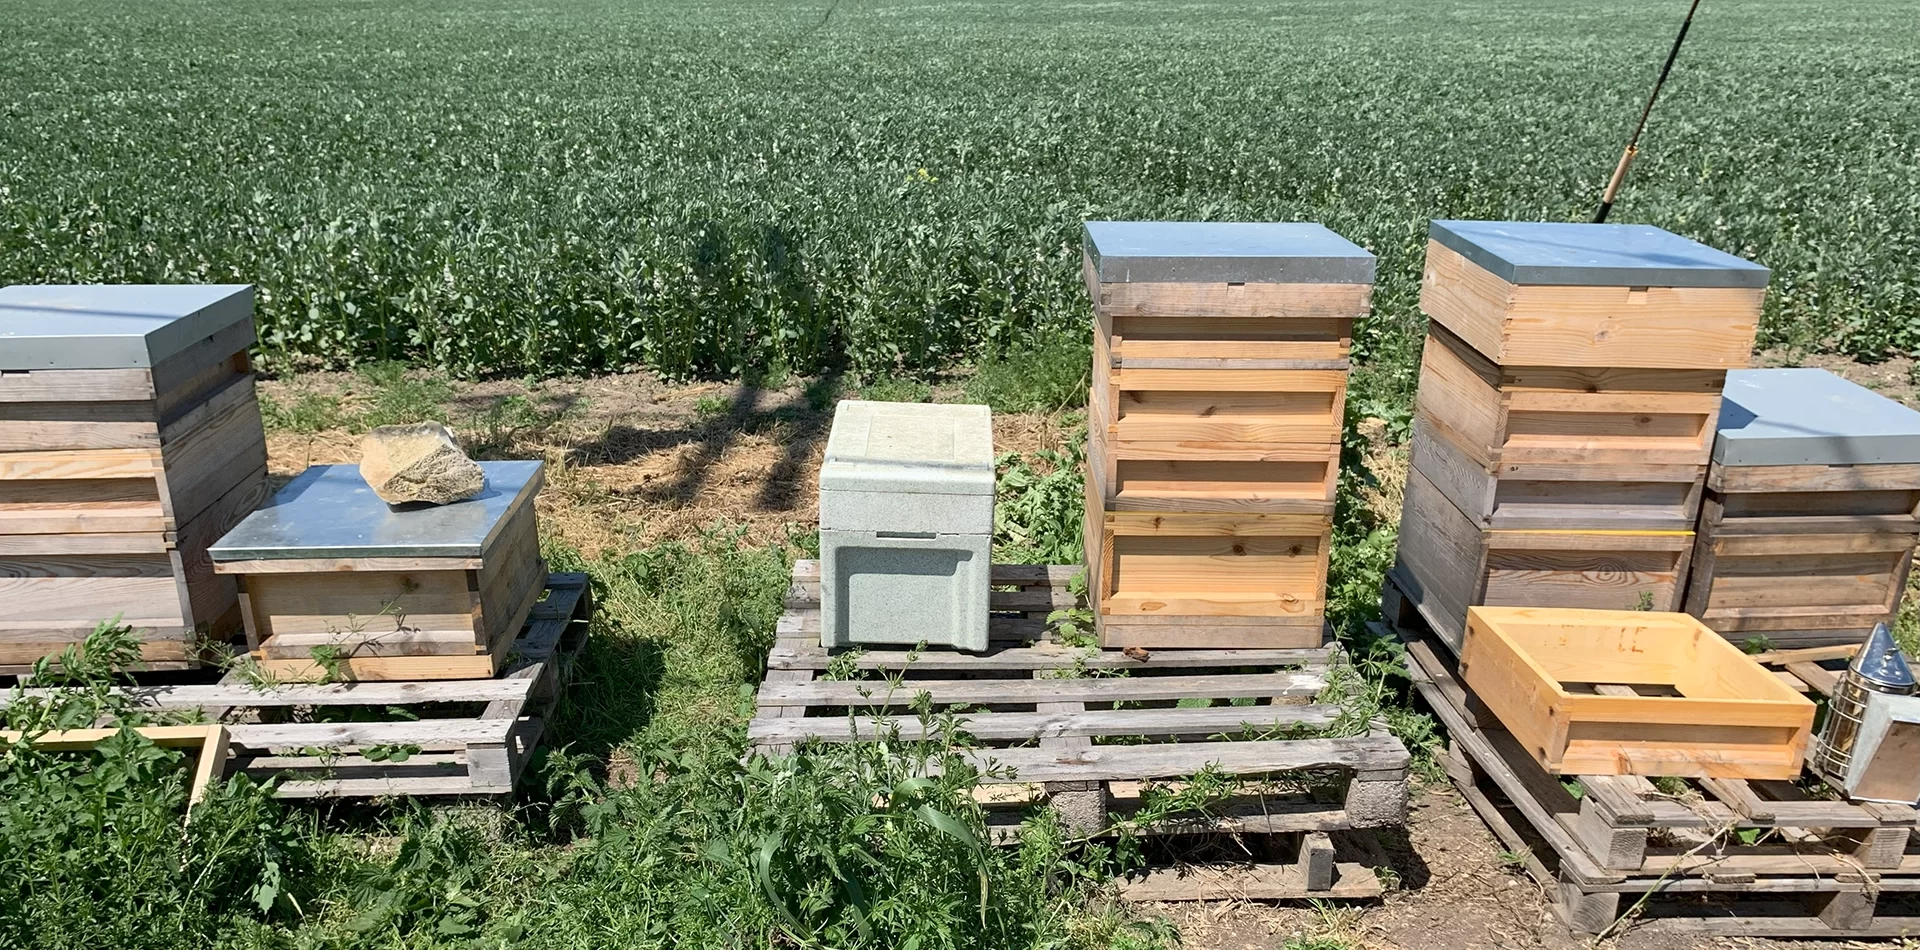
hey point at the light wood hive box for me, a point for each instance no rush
(130, 440)
(1219, 390)
(1568, 397)
(1809, 526)
(1607, 692)
(335, 583)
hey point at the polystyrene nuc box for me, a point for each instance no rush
(906, 525)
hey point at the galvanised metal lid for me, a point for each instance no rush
(909, 448)
(114, 326)
(1175, 252)
(1598, 255)
(1809, 416)
(330, 512)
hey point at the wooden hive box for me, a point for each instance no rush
(1207, 579)
(1446, 563)
(335, 583)
(1605, 692)
(1593, 295)
(1220, 358)
(1563, 447)
(1219, 390)
(130, 440)
(1809, 525)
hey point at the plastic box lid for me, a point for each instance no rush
(113, 326)
(1598, 255)
(909, 447)
(330, 512)
(1810, 417)
(1296, 252)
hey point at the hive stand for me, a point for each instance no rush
(346, 740)
(1041, 709)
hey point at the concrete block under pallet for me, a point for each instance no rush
(906, 525)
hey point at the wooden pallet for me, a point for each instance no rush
(1305, 865)
(472, 737)
(1819, 867)
(1040, 708)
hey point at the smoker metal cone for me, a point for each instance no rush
(1881, 663)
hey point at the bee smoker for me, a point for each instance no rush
(1878, 667)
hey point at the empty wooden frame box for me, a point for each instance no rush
(1809, 525)
(130, 440)
(335, 583)
(1219, 387)
(1568, 395)
(1621, 692)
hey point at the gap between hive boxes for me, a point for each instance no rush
(1052, 748)
(1719, 856)
(478, 752)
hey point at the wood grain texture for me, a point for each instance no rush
(1222, 300)
(1730, 719)
(1815, 555)
(1540, 325)
(1498, 415)
(76, 385)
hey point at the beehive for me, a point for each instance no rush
(1219, 389)
(1809, 525)
(337, 584)
(906, 525)
(1568, 397)
(130, 440)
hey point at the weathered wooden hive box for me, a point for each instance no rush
(1623, 692)
(130, 440)
(906, 525)
(337, 584)
(1219, 389)
(1566, 409)
(1809, 525)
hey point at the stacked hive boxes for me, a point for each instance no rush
(1219, 384)
(129, 442)
(1567, 402)
(1808, 528)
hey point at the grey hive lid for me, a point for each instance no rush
(1810, 417)
(329, 512)
(1597, 255)
(113, 326)
(913, 448)
(1224, 252)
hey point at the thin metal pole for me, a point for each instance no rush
(1633, 143)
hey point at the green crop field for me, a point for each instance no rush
(720, 189)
